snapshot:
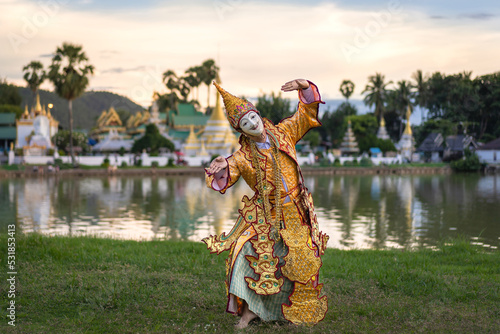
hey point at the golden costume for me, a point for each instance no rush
(275, 245)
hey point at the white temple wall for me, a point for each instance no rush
(23, 131)
(489, 156)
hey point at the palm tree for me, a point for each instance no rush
(347, 88)
(422, 90)
(35, 75)
(377, 92)
(193, 78)
(184, 89)
(209, 72)
(171, 81)
(69, 73)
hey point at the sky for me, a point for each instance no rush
(258, 45)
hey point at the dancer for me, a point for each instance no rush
(275, 245)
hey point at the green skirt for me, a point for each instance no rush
(267, 308)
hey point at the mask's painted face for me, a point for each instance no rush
(251, 124)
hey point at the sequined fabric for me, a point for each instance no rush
(302, 261)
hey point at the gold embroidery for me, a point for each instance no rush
(302, 261)
(265, 265)
(306, 307)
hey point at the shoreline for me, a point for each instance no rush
(82, 172)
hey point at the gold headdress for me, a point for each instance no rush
(236, 107)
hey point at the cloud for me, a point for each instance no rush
(258, 45)
(100, 88)
(478, 16)
(110, 51)
(123, 70)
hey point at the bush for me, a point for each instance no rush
(324, 162)
(155, 164)
(59, 163)
(347, 163)
(170, 162)
(355, 162)
(336, 163)
(123, 164)
(470, 163)
(366, 162)
(121, 151)
(61, 153)
(138, 162)
(105, 163)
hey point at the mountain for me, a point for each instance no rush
(86, 109)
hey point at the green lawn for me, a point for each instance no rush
(92, 285)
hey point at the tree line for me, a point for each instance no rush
(451, 104)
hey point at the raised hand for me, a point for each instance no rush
(217, 165)
(295, 85)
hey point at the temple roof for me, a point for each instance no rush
(432, 143)
(187, 120)
(8, 118)
(459, 142)
(492, 145)
(8, 132)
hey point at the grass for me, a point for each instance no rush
(92, 285)
(12, 167)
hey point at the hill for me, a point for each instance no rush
(86, 109)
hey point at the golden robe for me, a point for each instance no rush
(303, 243)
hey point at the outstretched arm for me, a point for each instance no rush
(222, 173)
(295, 85)
(306, 116)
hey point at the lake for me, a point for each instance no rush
(356, 211)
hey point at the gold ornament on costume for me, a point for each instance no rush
(306, 307)
(265, 265)
(236, 107)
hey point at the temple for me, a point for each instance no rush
(349, 145)
(406, 143)
(109, 121)
(217, 135)
(382, 131)
(35, 130)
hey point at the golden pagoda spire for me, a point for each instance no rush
(26, 113)
(203, 151)
(44, 112)
(38, 106)
(382, 122)
(218, 113)
(408, 125)
(191, 139)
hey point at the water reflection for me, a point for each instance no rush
(356, 211)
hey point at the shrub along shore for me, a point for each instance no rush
(37, 171)
(97, 285)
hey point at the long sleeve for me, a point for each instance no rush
(306, 116)
(233, 174)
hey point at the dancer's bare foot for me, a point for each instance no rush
(246, 317)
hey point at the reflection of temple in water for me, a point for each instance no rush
(33, 208)
(356, 211)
